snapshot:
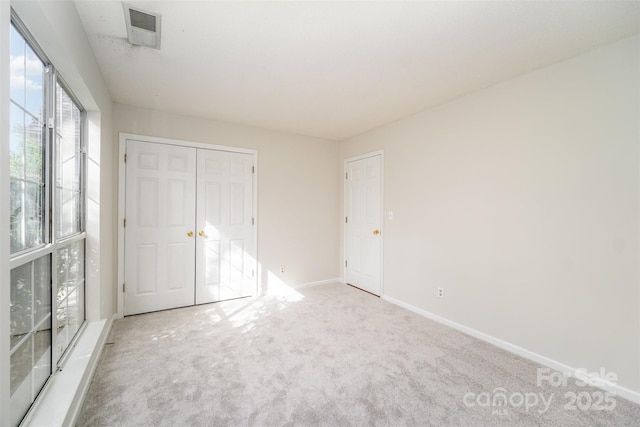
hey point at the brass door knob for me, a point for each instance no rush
(201, 233)
(190, 233)
(376, 232)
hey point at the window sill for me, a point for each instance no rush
(62, 398)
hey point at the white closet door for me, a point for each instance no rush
(160, 226)
(226, 248)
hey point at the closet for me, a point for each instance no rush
(189, 226)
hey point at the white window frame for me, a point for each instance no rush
(51, 241)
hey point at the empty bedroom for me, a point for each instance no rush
(319, 213)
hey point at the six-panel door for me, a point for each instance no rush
(160, 213)
(189, 235)
(225, 246)
(363, 205)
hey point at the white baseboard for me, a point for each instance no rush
(523, 352)
(318, 283)
(62, 399)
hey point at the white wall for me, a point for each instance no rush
(298, 190)
(522, 202)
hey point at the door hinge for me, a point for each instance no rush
(253, 221)
(253, 169)
(253, 273)
(124, 222)
(345, 263)
(346, 175)
(125, 158)
(346, 219)
(123, 287)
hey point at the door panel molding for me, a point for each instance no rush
(365, 264)
(226, 268)
(123, 138)
(158, 249)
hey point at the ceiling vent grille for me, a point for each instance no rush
(143, 28)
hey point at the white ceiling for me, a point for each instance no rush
(337, 69)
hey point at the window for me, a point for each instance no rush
(47, 236)
(30, 333)
(68, 164)
(70, 293)
(26, 145)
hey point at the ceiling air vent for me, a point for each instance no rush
(143, 28)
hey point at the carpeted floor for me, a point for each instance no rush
(325, 356)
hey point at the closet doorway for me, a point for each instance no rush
(188, 226)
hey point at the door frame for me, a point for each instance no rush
(381, 213)
(121, 201)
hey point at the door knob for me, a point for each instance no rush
(201, 233)
(376, 231)
(190, 233)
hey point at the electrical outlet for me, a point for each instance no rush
(282, 269)
(440, 292)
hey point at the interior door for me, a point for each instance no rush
(226, 247)
(363, 220)
(160, 224)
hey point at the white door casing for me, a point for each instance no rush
(363, 222)
(160, 224)
(226, 250)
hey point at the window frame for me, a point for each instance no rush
(52, 242)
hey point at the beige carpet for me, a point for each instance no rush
(326, 356)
